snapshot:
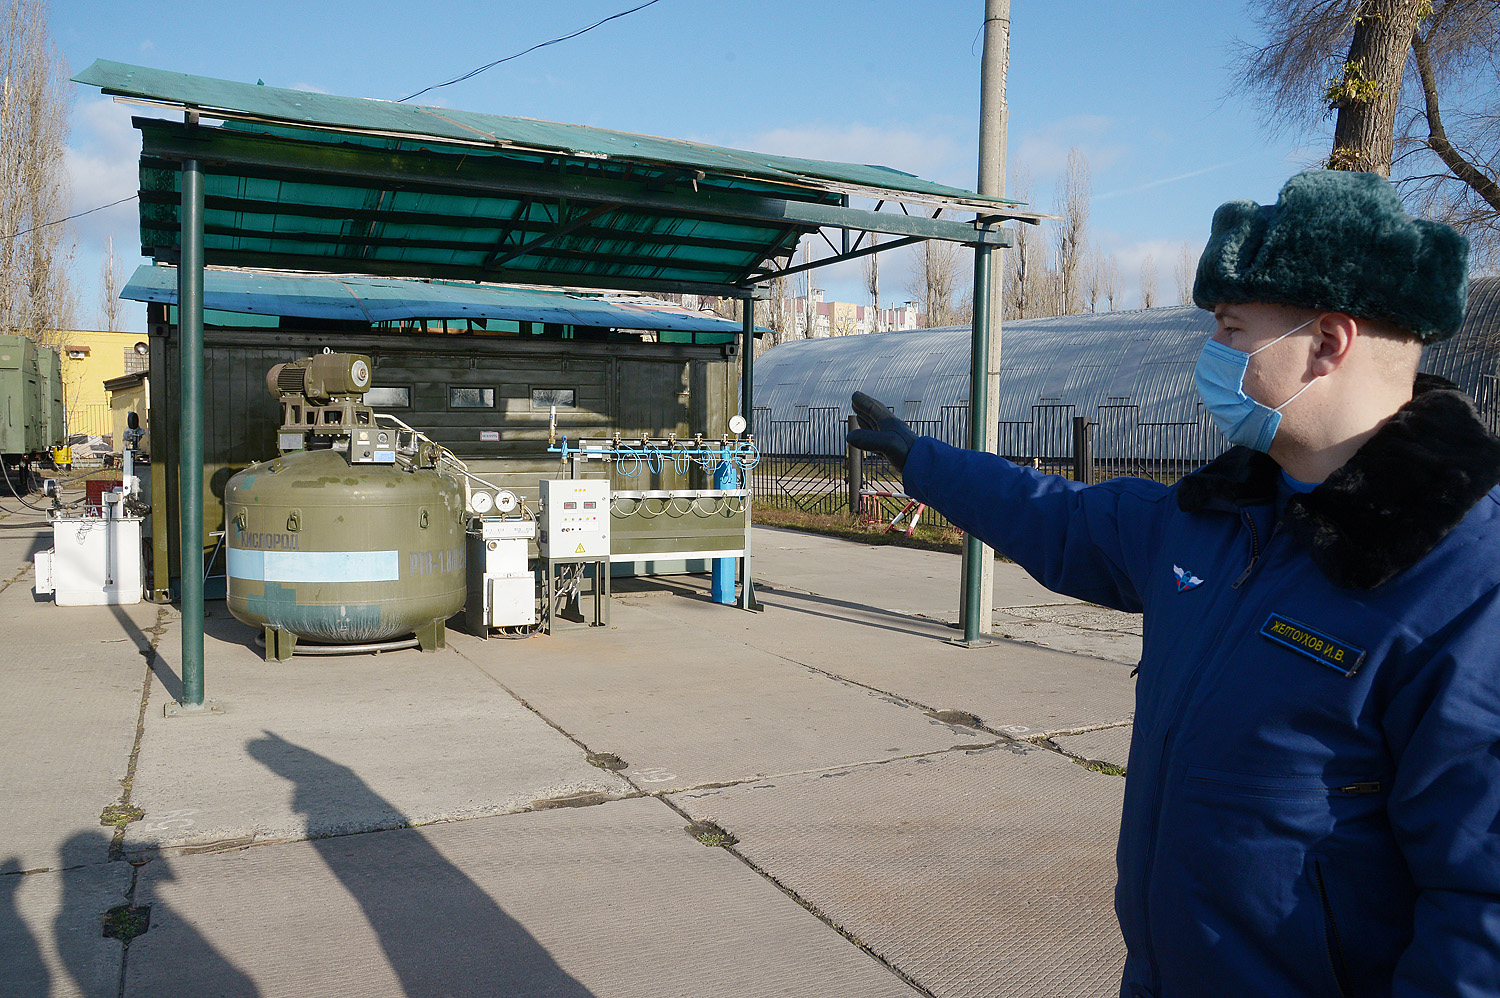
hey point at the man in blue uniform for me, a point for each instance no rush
(1313, 799)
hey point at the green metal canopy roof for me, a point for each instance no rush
(318, 182)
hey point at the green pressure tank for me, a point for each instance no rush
(344, 553)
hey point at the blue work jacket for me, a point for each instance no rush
(1312, 805)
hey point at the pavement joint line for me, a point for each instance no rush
(718, 785)
(127, 784)
(1043, 741)
(135, 872)
(20, 572)
(860, 764)
(809, 907)
(1106, 726)
(587, 751)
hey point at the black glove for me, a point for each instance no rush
(880, 431)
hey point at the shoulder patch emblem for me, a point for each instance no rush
(1185, 580)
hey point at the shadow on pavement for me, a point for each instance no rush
(788, 599)
(91, 965)
(144, 645)
(441, 933)
(21, 965)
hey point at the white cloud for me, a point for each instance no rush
(934, 156)
(1131, 258)
(103, 161)
(1044, 152)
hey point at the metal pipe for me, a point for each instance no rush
(975, 613)
(190, 431)
(747, 410)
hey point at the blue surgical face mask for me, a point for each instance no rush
(1221, 382)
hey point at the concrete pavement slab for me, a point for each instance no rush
(1108, 745)
(983, 873)
(52, 943)
(437, 737)
(23, 532)
(906, 580)
(1080, 628)
(1012, 687)
(73, 677)
(613, 900)
(683, 704)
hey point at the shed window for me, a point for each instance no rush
(390, 398)
(546, 398)
(471, 398)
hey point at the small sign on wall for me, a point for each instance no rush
(489, 436)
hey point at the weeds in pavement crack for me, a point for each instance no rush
(124, 812)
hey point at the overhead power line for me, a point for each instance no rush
(457, 79)
(552, 41)
(59, 221)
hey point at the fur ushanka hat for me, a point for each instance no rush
(1341, 242)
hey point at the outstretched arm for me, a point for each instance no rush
(1089, 543)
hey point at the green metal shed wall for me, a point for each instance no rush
(633, 389)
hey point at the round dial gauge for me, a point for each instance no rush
(360, 372)
(481, 503)
(736, 423)
(506, 501)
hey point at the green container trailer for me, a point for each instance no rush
(31, 406)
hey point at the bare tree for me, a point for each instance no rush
(35, 250)
(1025, 263)
(1074, 192)
(109, 289)
(869, 268)
(777, 315)
(1148, 281)
(1185, 271)
(934, 280)
(1413, 85)
(809, 288)
(1110, 280)
(1093, 278)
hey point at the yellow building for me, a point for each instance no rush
(89, 359)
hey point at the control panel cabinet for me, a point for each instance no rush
(575, 519)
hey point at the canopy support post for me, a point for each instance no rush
(190, 431)
(974, 613)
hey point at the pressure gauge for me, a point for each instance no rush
(736, 423)
(359, 371)
(481, 502)
(506, 501)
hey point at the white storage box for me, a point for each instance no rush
(94, 561)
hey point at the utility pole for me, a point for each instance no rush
(994, 118)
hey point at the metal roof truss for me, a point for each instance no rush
(400, 207)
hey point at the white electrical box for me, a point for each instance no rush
(502, 587)
(575, 519)
(94, 561)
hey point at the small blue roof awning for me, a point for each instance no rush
(380, 299)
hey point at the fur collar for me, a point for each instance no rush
(1395, 499)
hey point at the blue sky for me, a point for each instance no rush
(1144, 90)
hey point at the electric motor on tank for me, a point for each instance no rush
(344, 554)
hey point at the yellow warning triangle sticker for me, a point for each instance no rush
(580, 549)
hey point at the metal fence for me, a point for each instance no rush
(805, 465)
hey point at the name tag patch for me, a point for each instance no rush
(1337, 655)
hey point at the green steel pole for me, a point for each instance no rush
(979, 358)
(190, 438)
